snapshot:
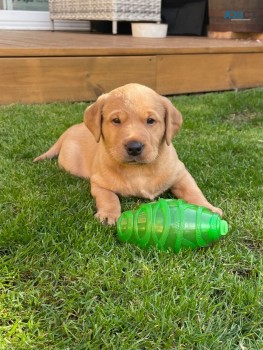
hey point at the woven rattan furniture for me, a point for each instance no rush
(110, 10)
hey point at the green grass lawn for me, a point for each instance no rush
(66, 282)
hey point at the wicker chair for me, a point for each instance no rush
(110, 10)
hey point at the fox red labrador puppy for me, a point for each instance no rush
(124, 147)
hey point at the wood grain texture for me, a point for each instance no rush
(236, 15)
(197, 73)
(39, 67)
(53, 44)
(39, 80)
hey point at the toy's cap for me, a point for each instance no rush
(223, 228)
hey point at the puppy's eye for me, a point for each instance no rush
(150, 121)
(116, 121)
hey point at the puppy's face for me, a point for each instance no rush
(133, 122)
(133, 126)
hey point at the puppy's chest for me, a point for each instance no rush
(139, 184)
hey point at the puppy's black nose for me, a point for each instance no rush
(134, 148)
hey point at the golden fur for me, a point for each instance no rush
(124, 147)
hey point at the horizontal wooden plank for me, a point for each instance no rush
(246, 70)
(38, 80)
(197, 73)
(51, 44)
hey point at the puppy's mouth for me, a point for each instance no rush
(129, 160)
(133, 162)
(137, 160)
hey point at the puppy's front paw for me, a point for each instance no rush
(107, 218)
(216, 210)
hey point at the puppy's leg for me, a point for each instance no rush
(187, 189)
(107, 204)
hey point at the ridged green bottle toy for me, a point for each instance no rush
(171, 224)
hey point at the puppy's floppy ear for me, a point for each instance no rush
(173, 120)
(93, 117)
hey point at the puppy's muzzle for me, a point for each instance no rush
(134, 148)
